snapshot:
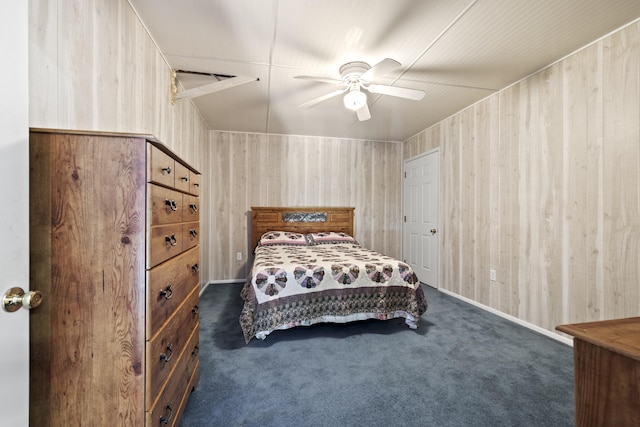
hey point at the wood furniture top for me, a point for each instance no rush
(263, 219)
(620, 335)
(148, 137)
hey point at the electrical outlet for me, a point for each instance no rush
(492, 275)
(239, 256)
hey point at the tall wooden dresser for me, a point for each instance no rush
(114, 229)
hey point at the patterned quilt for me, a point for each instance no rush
(325, 278)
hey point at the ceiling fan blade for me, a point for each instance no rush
(380, 69)
(322, 98)
(321, 79)
(363, 113)
(400, 92)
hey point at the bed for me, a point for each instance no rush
(308, 269)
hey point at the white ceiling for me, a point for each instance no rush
(457, 51)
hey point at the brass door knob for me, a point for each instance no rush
(434, 231)
(15, 298)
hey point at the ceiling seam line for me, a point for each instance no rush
(451, 85)
(438, 37)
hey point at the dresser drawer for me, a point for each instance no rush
(191, 235)
(165, 348)
(191, 208)
(194, 183)
(182, 178)
(165, 241)
(168, 285)
(161, 167)
(171, 400)
(164, 206)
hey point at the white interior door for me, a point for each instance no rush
(14, 215)
(420, 231)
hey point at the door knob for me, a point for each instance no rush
(15, 298)
(434, 231)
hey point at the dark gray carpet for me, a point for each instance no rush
(462, 367)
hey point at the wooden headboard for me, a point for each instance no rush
(300, 220)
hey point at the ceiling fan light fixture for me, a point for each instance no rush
(355, 99)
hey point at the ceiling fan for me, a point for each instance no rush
(356, 76)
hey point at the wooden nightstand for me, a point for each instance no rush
(607, 372)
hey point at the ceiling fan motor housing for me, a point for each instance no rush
(353, 70)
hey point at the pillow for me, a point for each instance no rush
(330, 237)
(282, 238)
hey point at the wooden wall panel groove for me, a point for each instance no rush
(621, 142)
(583, 184)
(467, 203)
(483, 138)
(551, 225)
(450, 174)
(541, 182)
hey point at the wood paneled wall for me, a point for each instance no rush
(541, 182)
(93, 66)
(247, 169)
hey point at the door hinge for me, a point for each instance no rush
(405, 175)
(405, 218)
